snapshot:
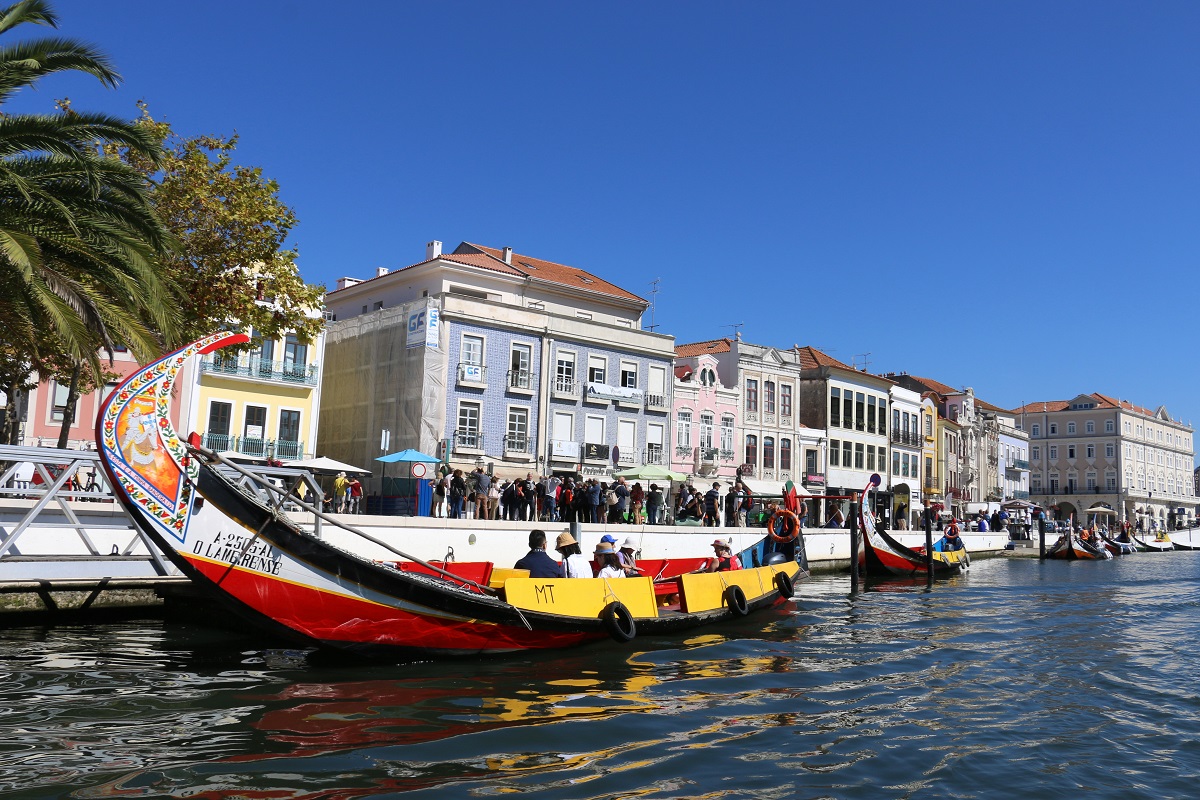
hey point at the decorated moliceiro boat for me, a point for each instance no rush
(249, 556)
(884, 556)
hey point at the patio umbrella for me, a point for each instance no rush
(650, 472)
(1102, 511)
(327, 466)
(408, 456)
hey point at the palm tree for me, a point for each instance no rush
(79, 240)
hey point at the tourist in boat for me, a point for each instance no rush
(950, 539)
(539, 564)
(723, 559)
(625, 556)
(606, 560)
(574, 565)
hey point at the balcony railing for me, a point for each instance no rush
(472, 373)
(627, 456)
(1065, 490)
(1019, 464)
(520, 379)
(708, 455)
(657, 402)
(1020, 495)
(467, 440)
(283, 449)
(682, 451)
(910, 438)
(254, 367)
(565, 387)
(654, 455)
(518, 444)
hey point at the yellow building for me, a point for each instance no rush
(263, 403)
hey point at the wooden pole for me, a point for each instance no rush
(854, 526)
(1041, 537)
(928, 549)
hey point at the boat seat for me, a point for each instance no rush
(479, 572)
(582, 597)
(706, 591)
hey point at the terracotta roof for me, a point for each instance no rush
(700, 348)
(989, 407)
(546, 271)
(1102, 401)
(812, 358)
(683, 372)
(935, 386)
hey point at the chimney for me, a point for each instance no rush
(381, 271)
(433, 250)
(508, 255)
(346, 283)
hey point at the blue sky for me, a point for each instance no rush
(1000, 195)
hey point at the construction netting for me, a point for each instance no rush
(384, 388)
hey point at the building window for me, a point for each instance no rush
(467, 434)
(835, 408)
(256, 424)
(1091, 426)
(472, 350)
(870, 415)
(1053, 454)
(768, 403)
(882, 416)
(683, 430)
(785, 452)
(895, 419)
(1109, 451)
(60, 403)
(835, 453)
(1091, 451)
(289, 426)
(785, 401)
(871, 458)
(1036, 453)
(1053, 428)
(1108, 426)
(1035, 430)
(858, 455)
(860, 417)
(629, 374)
(768, 452)
(520, 363)
(847, 449)
(751, 395)
(706, 430)
(597, 369)
(727, 436)
(564, 372)
(217, 437)
(752, 450)
(895, 462)
(518, 430)
(1071, 451)
(1071, 428)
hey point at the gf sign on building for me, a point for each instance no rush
(423, 327)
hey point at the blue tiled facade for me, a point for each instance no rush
(496, 399)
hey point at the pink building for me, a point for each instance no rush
(706, 414)
(47, 404)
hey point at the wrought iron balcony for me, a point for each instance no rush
(654, 455)
(518, 444)
(727, 455)
(283, 449)
(682, 451)
(909, 438)
(708, 455)
(467, 440)
(520, 379)
(255, 368)
(565, 387)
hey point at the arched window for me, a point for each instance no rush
(768, 452)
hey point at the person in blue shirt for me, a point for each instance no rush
(983, 523)
(950, 539)
(536, 561)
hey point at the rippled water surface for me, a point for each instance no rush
(1053, 679)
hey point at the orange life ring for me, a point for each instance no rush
(791, 526)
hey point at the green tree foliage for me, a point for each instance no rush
(232, 261)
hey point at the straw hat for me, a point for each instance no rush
(603, 547)
(564, 540)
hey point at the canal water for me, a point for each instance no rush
(1056, 679)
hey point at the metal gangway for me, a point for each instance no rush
(60, 524)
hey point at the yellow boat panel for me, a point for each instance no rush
(582, 597)
(500, 575)
(706, 591)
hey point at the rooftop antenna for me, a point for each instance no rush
(737, 329)
(854, 361)
(653, 291)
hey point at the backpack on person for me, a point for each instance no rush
(611, 498)
(747, 500)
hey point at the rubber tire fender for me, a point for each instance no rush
(783, 582)
(618, 621)
(735, 598)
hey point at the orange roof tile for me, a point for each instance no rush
(700, 348)
(1102, 401)
(812, 358)
(548, 271)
